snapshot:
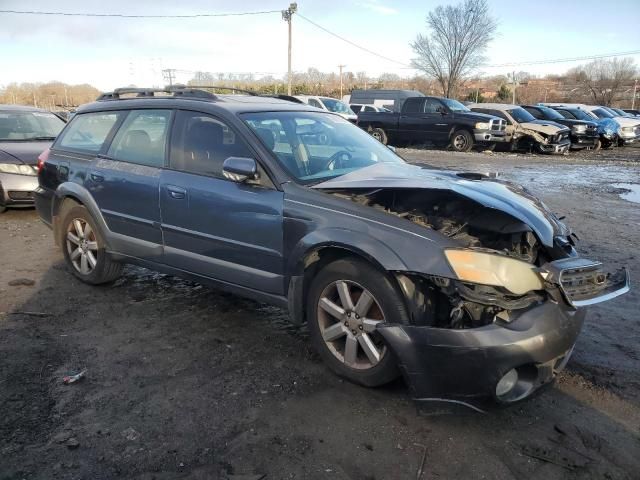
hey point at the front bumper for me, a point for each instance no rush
(452, 367)
(17, 190)
(555, 148)
(583, 141)
(490, 136)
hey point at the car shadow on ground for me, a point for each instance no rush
(183, 381)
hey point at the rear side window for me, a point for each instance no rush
(87, 131)
(142, 138)
(414, 105)
(201, 144)
(314, 103)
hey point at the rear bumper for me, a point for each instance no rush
(44, 203)
(449, 366)
(17, 190)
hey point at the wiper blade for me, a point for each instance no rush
(41, 138)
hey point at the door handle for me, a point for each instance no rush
(96, 177)
(176, 192)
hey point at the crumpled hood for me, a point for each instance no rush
(22, 152)
(544, 126)
(507, 197)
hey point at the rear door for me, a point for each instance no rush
(125, 182)
(422, 121)
(212, 226)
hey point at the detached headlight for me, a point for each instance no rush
(579, 128)
(17, 169)
(490, 269)
(483, 126)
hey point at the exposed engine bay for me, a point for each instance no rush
(449, 303)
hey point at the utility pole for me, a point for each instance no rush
(341, 67)
(169, 75)
(633, 100)
(513, 78)
(287, 16)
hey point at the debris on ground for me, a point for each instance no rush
(72, 444)
(17, 282)
(74, 378)
(32, 314)
(130, 434)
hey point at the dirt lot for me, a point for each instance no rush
(186, 382)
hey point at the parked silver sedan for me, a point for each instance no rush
(25, 132)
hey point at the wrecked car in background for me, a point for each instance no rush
(468, 286)
(607, 127)
(584, 134)
(525, 132)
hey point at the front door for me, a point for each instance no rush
(212, 226)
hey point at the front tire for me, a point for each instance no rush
(84, 248)
(347, 299)
(461, 141)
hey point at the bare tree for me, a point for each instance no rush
(604, 79)
(455, 42)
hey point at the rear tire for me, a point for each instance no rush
(461, 141)
(343, 328)
(83, 247)
(3, 209)
(380, 135)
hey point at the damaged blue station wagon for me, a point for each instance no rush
(468, 286)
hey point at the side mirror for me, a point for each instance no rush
(441, 110)
(240, 169)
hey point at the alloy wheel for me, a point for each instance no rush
(348, 315)
(82, 246)
(460, 142)
(377, 136)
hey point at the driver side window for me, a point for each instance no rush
(432, 105)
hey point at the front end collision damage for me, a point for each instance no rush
(469, 342)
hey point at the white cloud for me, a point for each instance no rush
(376, 6)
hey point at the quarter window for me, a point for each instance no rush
(202, 144)
(87, 131)
(142, 138)
(314, 103)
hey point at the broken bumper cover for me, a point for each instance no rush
(465, 366)
(559, 148)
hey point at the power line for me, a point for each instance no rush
(364, 49)
(126, 15)
(564, 60)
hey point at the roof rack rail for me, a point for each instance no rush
(176, 90)
(220, 87)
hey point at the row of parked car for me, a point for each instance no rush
(399, 117)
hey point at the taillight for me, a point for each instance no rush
(44, 156)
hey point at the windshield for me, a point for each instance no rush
(520, 115)
(29, 125)
(580, 114)
(336, 106)
(314, 147)
(454, 105)
(601, 113)
(550, 113)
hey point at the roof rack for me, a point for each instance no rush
(220, 87)
(176, 90)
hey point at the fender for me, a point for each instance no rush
(353, 241)
(80, 194)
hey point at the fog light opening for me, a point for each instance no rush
(507, 382)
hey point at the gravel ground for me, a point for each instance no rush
(186, 382)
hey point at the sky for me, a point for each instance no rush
(113, 52)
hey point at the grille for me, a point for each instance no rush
(562, 136)
(14, 195)
(583, 282)
(498, 125)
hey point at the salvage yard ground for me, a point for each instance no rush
(186, 382)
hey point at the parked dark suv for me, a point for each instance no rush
(467, 285)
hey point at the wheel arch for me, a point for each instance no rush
(73, 192)
(313, 258)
